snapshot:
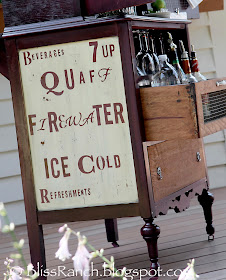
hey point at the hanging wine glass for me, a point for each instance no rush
(141, 52)
(162, 49)
(144, 79)
(148, 65)
(153, 53)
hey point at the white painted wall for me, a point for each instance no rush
(208, 34)
(10, 180)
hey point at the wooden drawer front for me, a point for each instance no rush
(211, 106)
(169, 112)
(179, 165)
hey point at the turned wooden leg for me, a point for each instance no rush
(112, 231)
(206, 201)
(150, 233)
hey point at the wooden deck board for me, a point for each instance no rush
(182, 237)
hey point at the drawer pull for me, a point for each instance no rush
(159, 173)
(198, 156)
(221, 83)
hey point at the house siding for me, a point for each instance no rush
(10, 180)
(210, 41)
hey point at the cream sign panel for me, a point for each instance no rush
(78, 124)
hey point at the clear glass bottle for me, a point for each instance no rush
(186, 64)
(167, 74)
(195, 66)
(175, 61)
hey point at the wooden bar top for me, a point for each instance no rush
(78, 22)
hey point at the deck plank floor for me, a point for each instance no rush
(182, 237)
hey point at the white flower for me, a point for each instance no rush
(19, 245)
(30, 267)
(2, 209)
(63, 251)
(11, 226)
(15, 273)
(62, 229)
(188, 273)
(8, 261)
(82, 258)
(8, 228)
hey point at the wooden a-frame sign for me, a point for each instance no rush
(77, 122)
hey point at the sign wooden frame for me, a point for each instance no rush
(36, 219)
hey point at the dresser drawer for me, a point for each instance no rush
(173, 165)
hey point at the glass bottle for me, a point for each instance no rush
(175, 61)
(195, 66)
(186, 64)
(167, 74)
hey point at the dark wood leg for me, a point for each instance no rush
(37, 249)
(150, 233)
(206, 201)
(112, 231)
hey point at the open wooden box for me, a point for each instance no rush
(184, 111)
(175, 120)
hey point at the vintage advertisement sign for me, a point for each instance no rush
(78, 124)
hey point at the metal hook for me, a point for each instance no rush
(159, 173)
(198, 156)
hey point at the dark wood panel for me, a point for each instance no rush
(134, 119)
(2, 24)
(3, 59)
(88, 213)
(180, 200)
(72, 35)
(92, 7)
(19, 12)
